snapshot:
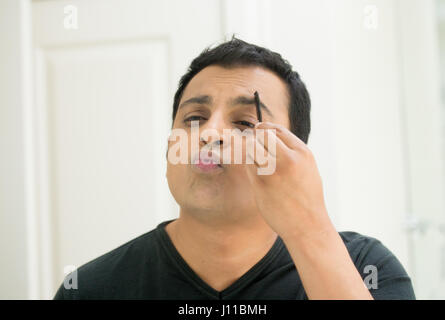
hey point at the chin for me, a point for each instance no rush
(199, 196)
(206, 198)
(216, 193)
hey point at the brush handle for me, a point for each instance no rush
(257, 105)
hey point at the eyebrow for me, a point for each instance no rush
(243, 100)
(204, 99)
(240, 100)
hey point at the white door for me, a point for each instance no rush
(104, 94)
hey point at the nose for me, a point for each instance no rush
(212, 142)
(211, 132)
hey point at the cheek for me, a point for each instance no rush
(239, 195)
(239, 183)
(175, 177)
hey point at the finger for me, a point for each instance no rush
(290, 139)
(264, 161)
(251, 171)
(272, 143)
(255, 151)
(251, 166)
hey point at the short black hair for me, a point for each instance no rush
(238, 53)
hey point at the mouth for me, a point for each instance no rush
(207, 163)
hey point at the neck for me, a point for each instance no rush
(221, 252)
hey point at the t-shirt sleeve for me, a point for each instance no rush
(60, 294)
(66, 293)
(381, 271)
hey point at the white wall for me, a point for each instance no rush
(424, 121)
(13, 197)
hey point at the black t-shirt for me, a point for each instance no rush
(150, 267)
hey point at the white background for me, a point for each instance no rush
(85, 113)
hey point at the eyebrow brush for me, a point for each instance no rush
(257, 105)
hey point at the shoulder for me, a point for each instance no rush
(360, 245)
(123, 255)
(365, 249)
(376, 262)
(96, 277)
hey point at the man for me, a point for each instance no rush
(240, 234)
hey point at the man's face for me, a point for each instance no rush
(211, 98)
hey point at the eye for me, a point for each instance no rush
(193, 118)
(246, 124)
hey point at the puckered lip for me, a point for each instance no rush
(207, 162)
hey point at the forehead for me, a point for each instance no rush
(225, 83)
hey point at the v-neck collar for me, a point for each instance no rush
(241, 282)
